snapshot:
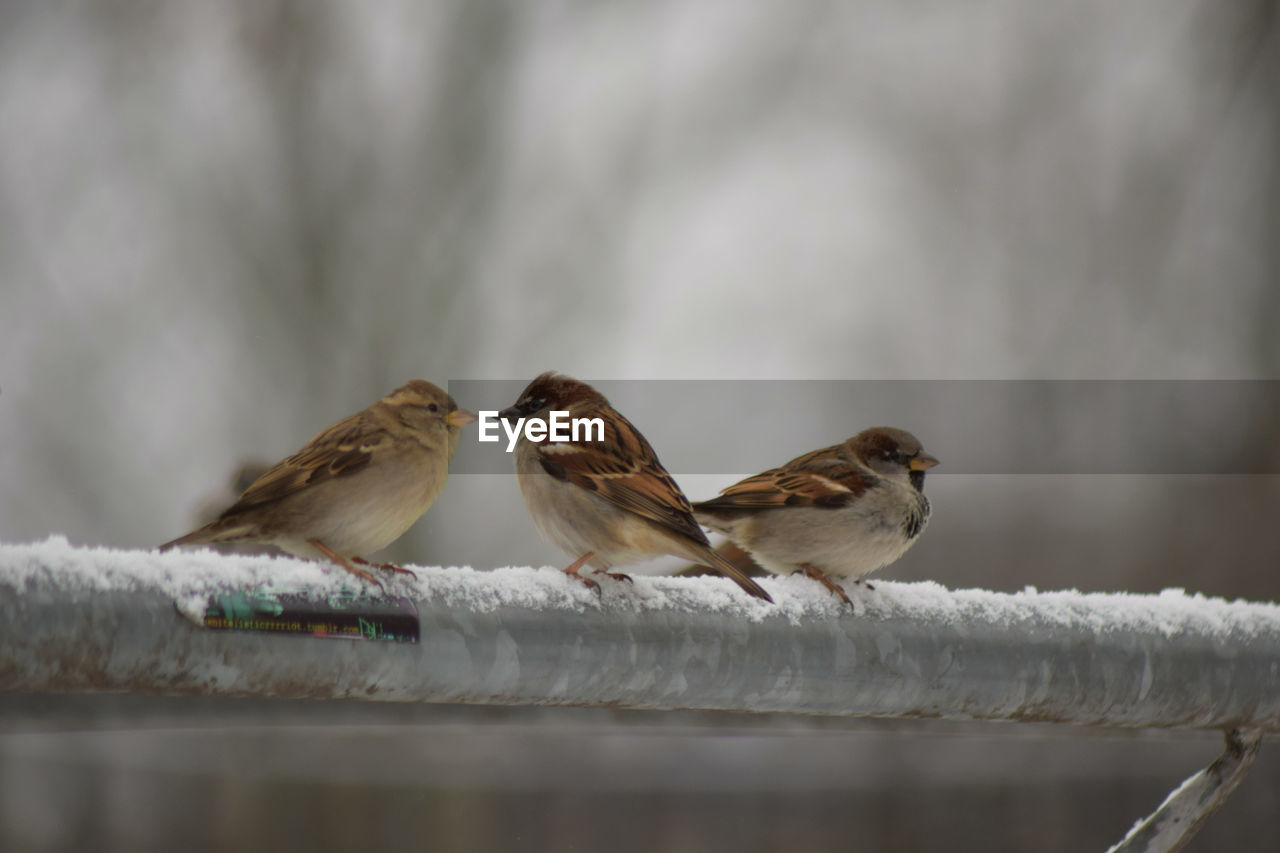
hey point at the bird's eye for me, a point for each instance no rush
(432, 407)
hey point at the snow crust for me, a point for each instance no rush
(191, 576)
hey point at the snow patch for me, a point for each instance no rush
(189, 577)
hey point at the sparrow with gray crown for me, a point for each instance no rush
(842, 511)
(352, 489)
(607, 502)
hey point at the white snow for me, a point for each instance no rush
(190, 576)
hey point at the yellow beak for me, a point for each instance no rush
(923, 462)
(459, 418)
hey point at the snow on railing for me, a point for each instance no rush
(92, 619)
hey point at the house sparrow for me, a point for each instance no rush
(844, 510)
(608, 502)
(352, 489)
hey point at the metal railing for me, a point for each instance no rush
(94, 620)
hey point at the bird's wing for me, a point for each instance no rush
(822, 478)
(339, 451)
(624, 470)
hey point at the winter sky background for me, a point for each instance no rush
(224, 226)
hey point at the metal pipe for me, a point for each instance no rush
(1170, 827)
(95, 620)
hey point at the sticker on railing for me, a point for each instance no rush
(341, 616)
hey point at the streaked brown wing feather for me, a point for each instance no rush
(821, 478)
(729, 570)
(624, 470)
(339, 451)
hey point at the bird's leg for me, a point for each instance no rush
(338, 559)
(825, 579)
(618, 576)
(573, 570)
(386, 567)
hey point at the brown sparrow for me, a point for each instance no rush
(842, 511)
(352, 489)
(603, 496)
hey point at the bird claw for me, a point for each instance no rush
(591, 585)
(824, 579)
(369, 576)
(574, 570)
(337, 559)
(386, 567)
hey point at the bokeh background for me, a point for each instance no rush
(225, 225)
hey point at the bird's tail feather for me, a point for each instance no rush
(214, 532)
(729, 570)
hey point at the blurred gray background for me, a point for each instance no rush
(226, 225)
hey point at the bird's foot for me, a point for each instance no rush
(386, 567)
(825, 579)
(338, 559)
(573, 570)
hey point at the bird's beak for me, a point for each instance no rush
(923, 462)
(511, 413)
(459, 418)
